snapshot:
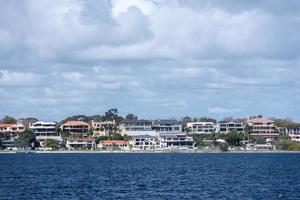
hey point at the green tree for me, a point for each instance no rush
(259, 140)
(284, 144)
(9, 120)
(199, 140)
(233, 138)
(112, 115)
(25, 139)
(131, 116)
(51, 143)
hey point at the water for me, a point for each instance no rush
(150, 176)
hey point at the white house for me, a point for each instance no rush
(81, 143)
(201, 127)
(228, 126)
(181, 141)
(137, 127)
(146, 142)
(293, 133)
(166, 126)
(45, 130)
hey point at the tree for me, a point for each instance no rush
(233, 138)
(51, 143)
(284, 144)
(199, 140)
(9, 120)
(25, 139)
(131, 116)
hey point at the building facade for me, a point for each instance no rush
(45, 130)
(180, 141)
(229, 126)
(103, 128)
(201, 127)
(262, 127)
(166, 126)
(80, 143)
(293, 133)
(146, 142)
(75, 127)
(137, 127)
(114, 145)
(12, 129)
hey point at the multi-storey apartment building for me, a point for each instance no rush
(136, 127)
(293, 133)
(45, 130)
(75, 127)
(262, 127)
(229, 126)
(201, 127)
(166, 126)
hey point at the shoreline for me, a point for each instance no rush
(140, 152)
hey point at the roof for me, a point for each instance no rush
(6, 125)
(75, 123)
(111, 142)
(293, 127)
(166, 121)
(259, 120)
(136, 121)
(44, 123)
(232, 121)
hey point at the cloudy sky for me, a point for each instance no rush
(154, 58)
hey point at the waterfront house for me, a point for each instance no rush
(262, 127)
(75, 127)
(146, 142)
(201, 127)
(12, 129)
(45, 130)
(180, 141)
(114, 145)
(229, 126)
(80, 143)
(293, 133)
(166, 126)
(8, 143)
(136, 127)
(103, 128)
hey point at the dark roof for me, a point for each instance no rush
(235, 121)
(135, 121)
(165, 121)
(293, 127)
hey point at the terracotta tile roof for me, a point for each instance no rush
(6, 125)
(117, 142)
(75, 123)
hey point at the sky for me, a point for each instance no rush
(153, 58)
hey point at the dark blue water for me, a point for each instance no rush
(150, 176)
